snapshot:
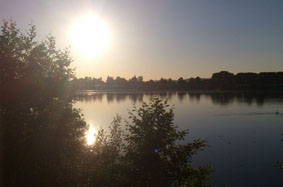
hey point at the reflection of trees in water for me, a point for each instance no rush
(110, 97)
(216, 98)
(89, 97)
(248, 99)
(98, 97)
(170, 94)
(194, 96)
(136, 97)
(221, 99)
(259, 101)
(120, 97)
(163, 95)
(181, 95)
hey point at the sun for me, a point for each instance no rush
(90, 36)
(91, 135)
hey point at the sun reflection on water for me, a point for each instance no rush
(91, 135)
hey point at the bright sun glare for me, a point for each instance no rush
(90, 36)
(91, 135)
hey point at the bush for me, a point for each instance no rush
(150, 152)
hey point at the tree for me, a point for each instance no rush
(181, 82)
(110, 82)
(121, 83)
(156, 156)
(150, 152)
(140, 78)
(27, 65)
(41, 134)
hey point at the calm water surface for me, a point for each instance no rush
(244, 132)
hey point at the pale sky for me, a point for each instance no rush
(164, 38)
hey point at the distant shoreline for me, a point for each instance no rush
(223, 81)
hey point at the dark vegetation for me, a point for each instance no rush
(219, 81)
(42, 139)
(41, 134)
(149, 152)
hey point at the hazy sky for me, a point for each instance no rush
(165, 38)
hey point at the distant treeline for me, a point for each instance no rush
(223, 80)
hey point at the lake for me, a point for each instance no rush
(244, 131)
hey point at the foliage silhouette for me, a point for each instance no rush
(40, 133)
(148, 152)
(219, 81)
